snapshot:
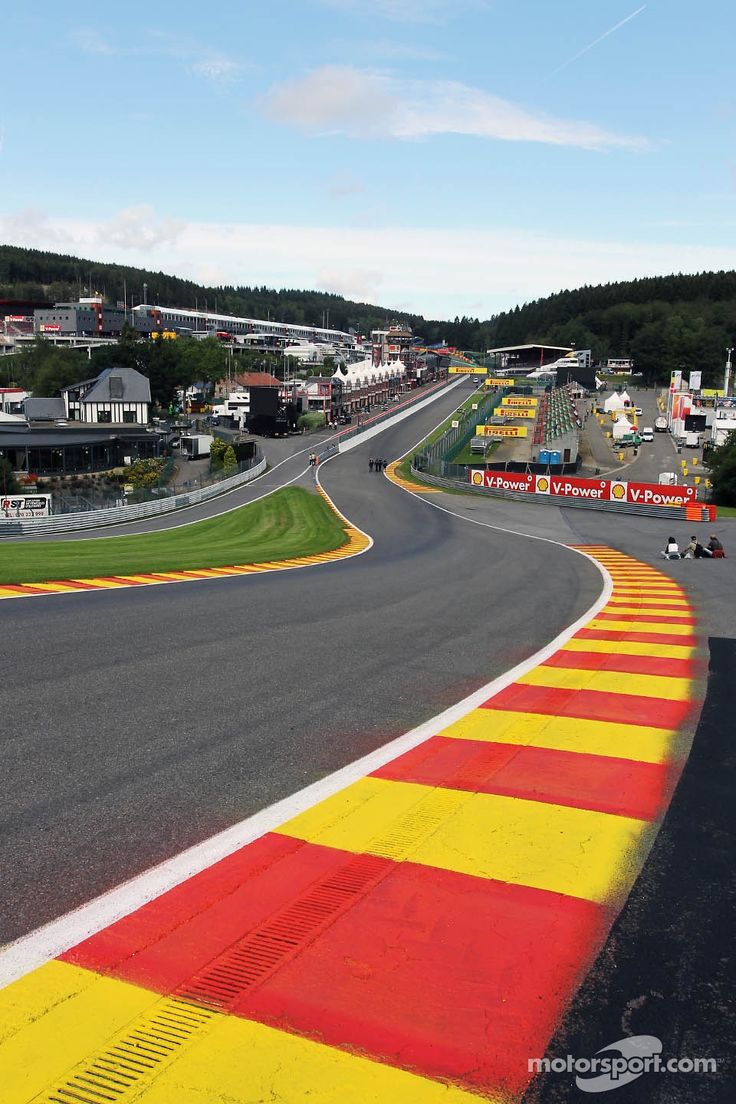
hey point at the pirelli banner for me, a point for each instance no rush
(500, 381)
(501, 431)
(596, 490)
(504, 411)
(466, 370)
(520, 400)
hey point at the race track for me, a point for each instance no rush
(138, 722)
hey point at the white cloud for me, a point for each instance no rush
(200, 61)
(217, 67)
(139, 228)
(438, 273)
(362, 284)
(92, 42)
(31, 226)
(340, 99)
(336, 99)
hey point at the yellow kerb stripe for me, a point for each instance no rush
(649, 600)
(609, 682)
(53, 1018)
(641, 627)
(629, 647)
(242, 1062)
(645, 608)
(640, 743)
(584, 854)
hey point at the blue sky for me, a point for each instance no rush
(441, 156)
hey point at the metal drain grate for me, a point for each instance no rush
(140, 1052)
(417, 825)
(135, 1055)
(262, 951)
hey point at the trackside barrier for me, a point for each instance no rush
(704, 512)
(117, 515)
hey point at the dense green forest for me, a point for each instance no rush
(33, 274)
(663, 322)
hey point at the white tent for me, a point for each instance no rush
(621, 427)
(626, 398)
(613, 402)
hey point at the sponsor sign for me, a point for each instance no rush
(501, 431)
(515, 412)
(50, 327)
(25, 506)
(712, 392)
(676, 381)
(499, 381)
(456, 370)
(520, 400)
(502, 481)
(595, 490)
(696, 378)
(652, 494)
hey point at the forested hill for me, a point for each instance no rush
(33, 274)
(663, 322)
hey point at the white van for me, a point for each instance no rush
(647, 433)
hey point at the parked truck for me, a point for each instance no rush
(692, 440)
(660, 425)
(195, 446)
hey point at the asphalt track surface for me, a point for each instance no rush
(137, 723)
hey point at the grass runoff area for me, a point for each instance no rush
(404, 471)
(290, 522)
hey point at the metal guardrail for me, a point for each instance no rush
(117, 515)
(674, 512)
(452, 440)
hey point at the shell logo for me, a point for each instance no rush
(618, 491)
(543, 484)
(478, 478)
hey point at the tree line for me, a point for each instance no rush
(662, 322)
(45, 369)
(37, 274)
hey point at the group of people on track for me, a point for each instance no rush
(694, 550)
(377, 465)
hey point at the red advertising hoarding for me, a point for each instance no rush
(595, 490)
(503, 481)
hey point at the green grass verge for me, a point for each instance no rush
(726, 511)
(291, 522)
(465, 456)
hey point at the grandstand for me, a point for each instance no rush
(556, 436)
(231, 326)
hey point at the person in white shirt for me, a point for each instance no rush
(671, 550)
